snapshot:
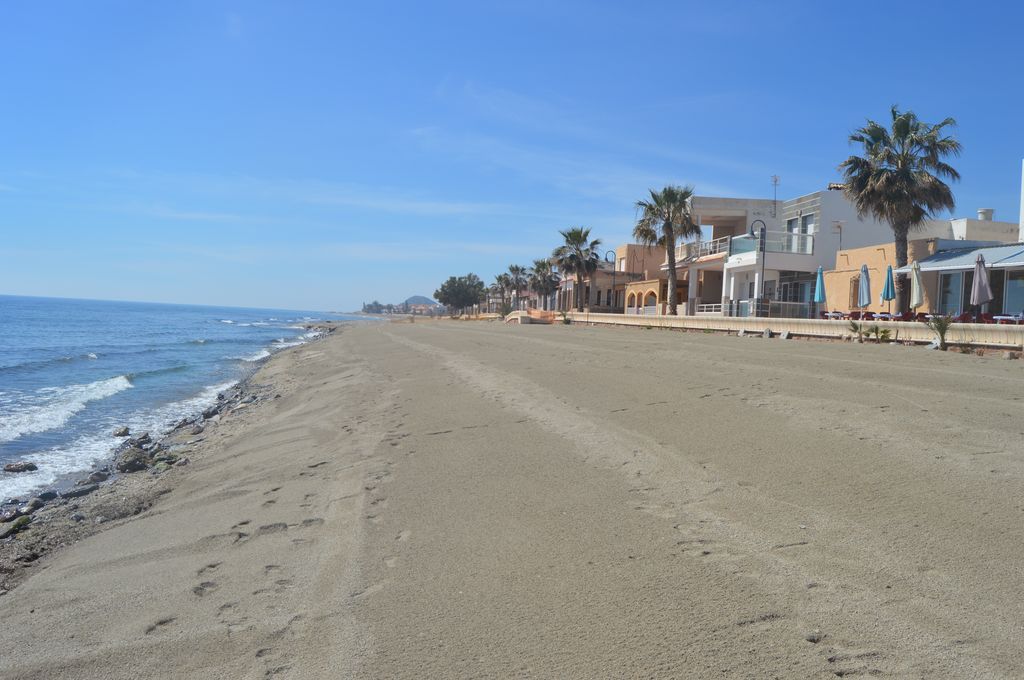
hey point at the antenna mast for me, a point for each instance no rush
(775, 196)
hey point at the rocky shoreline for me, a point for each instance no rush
(33, 527)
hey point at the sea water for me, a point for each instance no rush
(71, 371)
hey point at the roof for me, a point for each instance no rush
(960, 259)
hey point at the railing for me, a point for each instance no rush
(775, 242)
(699, 249)
(774, 309)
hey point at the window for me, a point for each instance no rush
(807, 224)
(854, 292)
(622, 264)
(1014, 292)
(598, 298)
(951, 287)
(793, 225)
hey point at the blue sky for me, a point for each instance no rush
(317, 154)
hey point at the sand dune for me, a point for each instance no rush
(479, 500)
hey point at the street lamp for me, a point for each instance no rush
(611, 304)
(761, 249)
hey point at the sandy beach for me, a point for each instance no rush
(445, 499)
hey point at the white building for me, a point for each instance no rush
(727, 274)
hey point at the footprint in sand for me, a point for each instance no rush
(204, 588)
(160, 623)
(403, 535)
(208, 568)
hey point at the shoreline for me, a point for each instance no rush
(84, 503)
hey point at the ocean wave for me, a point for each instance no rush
(158, 371)
(89, 450)
(226, 321)
(262, 354)
(51, 407)
(42, 363)
(198, 341)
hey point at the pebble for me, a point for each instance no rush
(814, 637)
(122, 431)
(77, 517)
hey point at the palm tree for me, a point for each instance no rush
(543, 279)
(502, 286)
(517, 279)
(577, 256)
(899, 178)
(662, 221)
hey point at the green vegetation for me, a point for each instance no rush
(577, 256)
(662, 221)
(899, 178)
(543, 279)
(460, 292)
(940, 325)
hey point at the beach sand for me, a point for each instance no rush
(445, 499)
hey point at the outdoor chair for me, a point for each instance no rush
(966, 317)
(867, 316)
(905, 316)
(987, 317)
(922, 317)
(854, 316)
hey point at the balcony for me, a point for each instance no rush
(775, 242)
(698, 249)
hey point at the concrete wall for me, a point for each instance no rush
(988, 335)
(969, 229)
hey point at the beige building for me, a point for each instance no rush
(605, 289)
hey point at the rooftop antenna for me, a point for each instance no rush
(775, 196)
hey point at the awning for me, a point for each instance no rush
(963, 259)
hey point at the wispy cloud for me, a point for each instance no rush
(592, 175)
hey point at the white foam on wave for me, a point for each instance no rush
(86, 451)
(91, 355)
(262, 354)
(226, 321)
(51, 407)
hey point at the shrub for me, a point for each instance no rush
(940, 325)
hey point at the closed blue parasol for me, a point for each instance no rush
(889, 289)
(819, 287)
(864, 289)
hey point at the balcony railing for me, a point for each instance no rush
(709, 309)
(775, 242)
(697, 249)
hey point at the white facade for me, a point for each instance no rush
(984, 228)
(811, 229)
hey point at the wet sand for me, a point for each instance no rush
(450, 499)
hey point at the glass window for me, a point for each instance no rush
(996, 280)
(807, 224)
(1014, 292)
(793, 226)
(950, 293)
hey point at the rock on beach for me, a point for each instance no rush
(22, 466)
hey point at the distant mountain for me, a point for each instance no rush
(419, 300)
